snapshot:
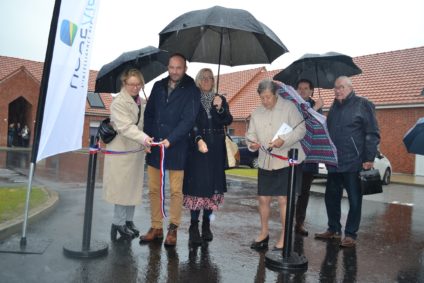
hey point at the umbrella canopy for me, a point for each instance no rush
(414, 138)
(150, 60)
(321, 69)
(221, 35)
(317, 144)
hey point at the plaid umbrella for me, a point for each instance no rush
(317, 143)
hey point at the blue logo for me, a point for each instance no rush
(68, 31)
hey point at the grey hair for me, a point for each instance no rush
(267, 84)
(345, 79)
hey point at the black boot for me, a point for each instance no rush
(132, 227)
(206, 230)
(123, 230)
(194, 234)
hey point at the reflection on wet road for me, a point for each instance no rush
(390, 243)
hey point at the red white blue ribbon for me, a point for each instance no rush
(162, 180)
(95, 149)
(162, 177)
(292, 162)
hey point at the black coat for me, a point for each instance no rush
(204, 174)
(354, 130)
(171, 118)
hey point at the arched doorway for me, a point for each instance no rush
(20, 113)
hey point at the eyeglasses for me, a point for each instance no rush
(134, 85)
(206, 78)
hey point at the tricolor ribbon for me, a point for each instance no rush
(95, 149)
(292, 162)
(162, 177)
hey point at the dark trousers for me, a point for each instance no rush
(333, 197)
(303, 198)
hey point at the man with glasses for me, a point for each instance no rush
(169, 116)
(354, 130)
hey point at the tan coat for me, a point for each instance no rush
(265, 123)
(124, 173)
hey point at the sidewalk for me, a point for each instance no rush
(408, 179)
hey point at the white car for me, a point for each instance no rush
(380, 162)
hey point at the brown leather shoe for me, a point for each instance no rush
(348, 242)
(300, 229)
(171, 237)
(328, 235)
(152, 235)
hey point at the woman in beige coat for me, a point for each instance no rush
(124, 173)
(273, 172)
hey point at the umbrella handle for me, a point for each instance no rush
(144, 94)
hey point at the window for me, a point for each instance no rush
(94, 100)
(94, 125)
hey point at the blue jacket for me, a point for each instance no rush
(354, 130)
(171, 118)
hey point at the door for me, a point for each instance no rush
(419, 165)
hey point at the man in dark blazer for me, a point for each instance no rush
(170, 114)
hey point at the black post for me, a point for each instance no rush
(288, 260)
(291, 198)
(87, 250)
(89, 197)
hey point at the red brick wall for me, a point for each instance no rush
(23, 85)
(19, 85)
(86, 133)
(394, 123)
(240, 128)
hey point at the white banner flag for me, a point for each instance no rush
(63, 121)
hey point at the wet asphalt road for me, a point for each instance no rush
(390, 243)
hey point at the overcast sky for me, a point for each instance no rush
(305, 26)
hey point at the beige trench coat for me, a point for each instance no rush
(124, 173)
(265, 123)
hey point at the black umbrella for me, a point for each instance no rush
(414, 138)
(321, 69)
(150, 60)
(221, 35)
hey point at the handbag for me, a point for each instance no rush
(232, 150)
(370, 182)
(106, 132)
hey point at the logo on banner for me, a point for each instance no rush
(81, 72)
(68, 31)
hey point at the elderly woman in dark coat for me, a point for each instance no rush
(204, 179)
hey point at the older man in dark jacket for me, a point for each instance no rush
(354, 130)
(169, 116)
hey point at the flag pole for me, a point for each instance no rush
(40, 111)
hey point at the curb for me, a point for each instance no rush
(14, 226)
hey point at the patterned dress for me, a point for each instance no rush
(204, 177)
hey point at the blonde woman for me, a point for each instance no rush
(204, 180)
(123, 173)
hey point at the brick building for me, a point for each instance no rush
(394, 81)
(19, 91)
